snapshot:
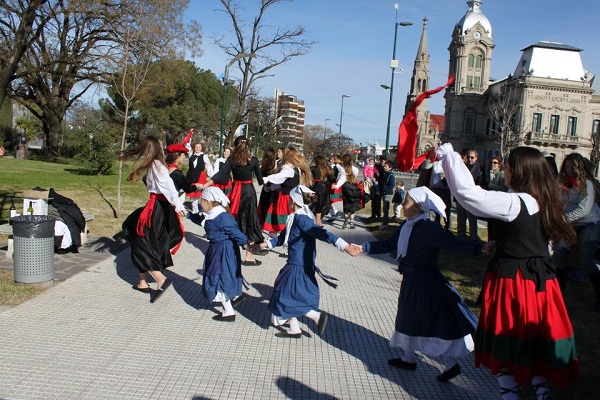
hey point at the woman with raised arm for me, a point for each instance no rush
(524, 335)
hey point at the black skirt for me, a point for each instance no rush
(152, 252)
(351, 198)
(323, 204)
(247, 216)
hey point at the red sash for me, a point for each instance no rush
(236, 195)
(146, 215)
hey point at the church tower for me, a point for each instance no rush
(419, 83)
(470, 63)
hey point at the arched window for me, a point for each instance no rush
(424, 85)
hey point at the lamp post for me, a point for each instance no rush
(225, 82)
(325, 134)
(393, 65)
(341, 117)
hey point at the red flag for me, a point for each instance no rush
(188, 138)
(407, 134)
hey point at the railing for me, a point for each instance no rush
(552, 138)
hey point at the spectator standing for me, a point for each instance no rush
(376, 190)
(580, 195)
(463, 215)
(387, 192)
(398, 198)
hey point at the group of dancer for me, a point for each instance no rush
(523, 335)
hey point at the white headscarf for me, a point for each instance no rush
(297, 196)
(213, 193)
(427, 201)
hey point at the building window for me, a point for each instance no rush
(554, 120)
(596, 127)
(469, 128)
(537, 122)
(478, 61)
(471, 60)
(572, 126)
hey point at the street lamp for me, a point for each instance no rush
(325, 130)
(225, 82)
(393, 65)
(341, 116)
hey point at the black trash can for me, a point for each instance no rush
(33, 237)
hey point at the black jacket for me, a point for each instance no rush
(70, 214)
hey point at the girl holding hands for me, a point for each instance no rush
(296, 292)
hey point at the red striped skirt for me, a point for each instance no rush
(335, 195)
(525, 331)
(277, 213)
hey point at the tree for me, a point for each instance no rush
(148, 31)
(77, 49)
(318, 141)
(271, 45)
(21, 23)
(507, 123)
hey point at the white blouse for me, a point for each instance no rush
(159, 181)
(480, 202)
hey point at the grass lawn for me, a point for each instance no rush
(466, 274)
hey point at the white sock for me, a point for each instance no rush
(227, 308)
(314, 315)
(508, 386)
(195, 208)
(294, 326)
(449, 362)
(540, 385)
(409, 358)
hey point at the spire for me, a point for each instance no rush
(423, 52)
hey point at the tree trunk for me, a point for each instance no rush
(52, 125)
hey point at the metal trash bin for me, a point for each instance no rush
(33, 255)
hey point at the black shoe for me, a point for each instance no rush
(345, 224)
(286, 334)
(449, 374)
(228, 318)
(398, 363)
(322, 323)
(283, 255)
(253, 263)
(159, 292)
(139, 289)
(239, 299)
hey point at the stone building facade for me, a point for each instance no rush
(549, 97)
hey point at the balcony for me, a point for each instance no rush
(544, 138)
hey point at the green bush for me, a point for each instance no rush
(94, 146)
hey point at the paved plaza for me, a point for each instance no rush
(92, 337)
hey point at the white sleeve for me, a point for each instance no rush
(481, 203)
(287, 171)
(341, 175)
(216, 166)
(208, 166)
(165, 185)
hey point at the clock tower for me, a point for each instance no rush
(470, 63)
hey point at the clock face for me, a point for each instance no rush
(477, 35)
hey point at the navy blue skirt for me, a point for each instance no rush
(222, 270)
(429, 306)
(295, 291)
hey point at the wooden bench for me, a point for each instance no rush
(6, 229)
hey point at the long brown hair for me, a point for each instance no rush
(295, 158)
(267, 164)
(241, 153)
(530, 173)
(583, 171)
(322, 165)
(147, 150)
(347, 164)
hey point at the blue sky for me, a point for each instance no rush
(355, 42)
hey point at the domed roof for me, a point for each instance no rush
(474, 16)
